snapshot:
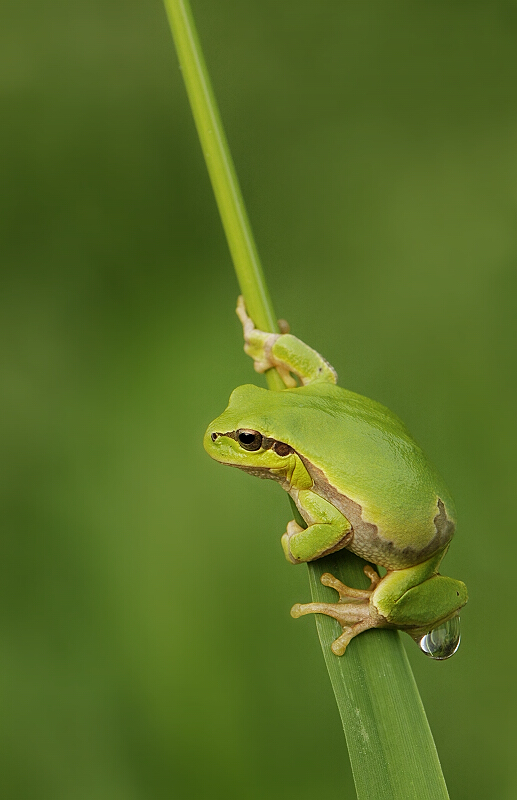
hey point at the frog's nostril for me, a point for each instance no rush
(214, 436)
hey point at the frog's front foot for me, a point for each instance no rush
(353, 611)
(258, 344)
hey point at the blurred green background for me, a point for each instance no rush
(146, 645)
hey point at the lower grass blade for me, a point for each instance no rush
(392, 751)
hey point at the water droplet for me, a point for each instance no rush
(443, 641)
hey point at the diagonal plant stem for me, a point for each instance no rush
(222, 173)
(391, 747)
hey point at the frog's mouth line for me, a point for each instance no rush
(268, 473)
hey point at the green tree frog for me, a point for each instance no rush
(358, 480)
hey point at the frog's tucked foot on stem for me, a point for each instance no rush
(353, 611)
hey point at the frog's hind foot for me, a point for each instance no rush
(347, 591)
(354, 612)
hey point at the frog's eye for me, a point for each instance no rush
(282, 449)
(249, 440)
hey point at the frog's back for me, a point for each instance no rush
(363, 459)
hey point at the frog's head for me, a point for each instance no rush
(243, 436)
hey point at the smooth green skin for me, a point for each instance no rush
(358, 479)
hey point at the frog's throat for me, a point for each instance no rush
(369, 542)
(292, 474)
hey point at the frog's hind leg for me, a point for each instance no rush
(354, 612)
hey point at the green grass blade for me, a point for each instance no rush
(222, 173)
(220, 166)
(391, 748)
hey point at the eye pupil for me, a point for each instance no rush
(250, 440)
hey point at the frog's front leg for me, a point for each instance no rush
(328, 529)
(284, 352)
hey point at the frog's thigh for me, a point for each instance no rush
(328, 528)
(403, 602)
